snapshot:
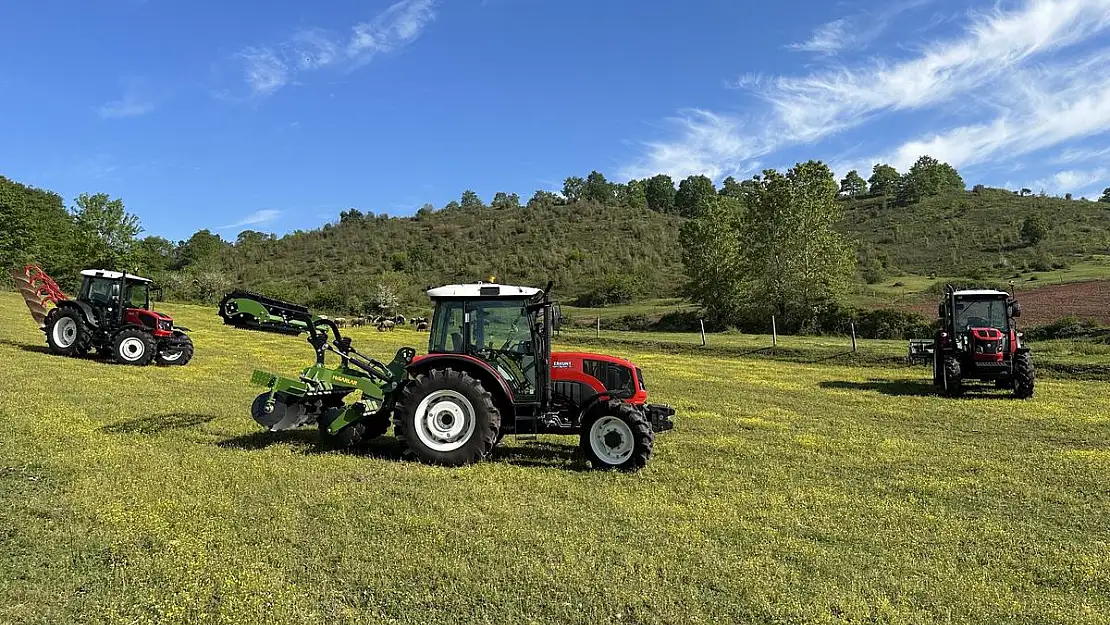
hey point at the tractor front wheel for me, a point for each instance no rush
(1024, 375)
(447, 417)
(617, 436)
(133, 347)
(66, 334)
(179, 356)
(953, 382)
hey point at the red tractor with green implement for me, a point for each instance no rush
(489, 372)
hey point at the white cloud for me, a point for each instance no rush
(827, 38)
(997, 46)
(134, 103)
(265, 215)
(1075, 181)
(267, 69)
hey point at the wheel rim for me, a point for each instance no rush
(132, 348)
(65, 332)
(611, 440)
(172, 356)
(445, 420)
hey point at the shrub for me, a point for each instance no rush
(1067, 328)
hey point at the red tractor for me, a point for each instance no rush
(112, 314)
(490, 371)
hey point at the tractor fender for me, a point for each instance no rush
(493, 381)
(81, 307)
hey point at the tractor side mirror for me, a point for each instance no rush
(556, 317)
(1015, 309)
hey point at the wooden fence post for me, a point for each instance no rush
(702, 323)
(853, 337)
(774, 333)
(599, 327)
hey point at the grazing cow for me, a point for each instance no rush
(340, 321)
(399, 320)
(422, 326)
(386, 324)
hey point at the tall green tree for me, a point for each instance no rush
(884, 180)
(502, 200)
(730, 187)
(1105, 195)
(574, 188)
(155, 255)
(713, 258)
(692, 194)
(853, 184)
(544, 199)
(632, 194)
(659, 191)
(201, 250)
(106, 229)
(1034, 229)
(598, 189)
(471, 200)
(929, 177)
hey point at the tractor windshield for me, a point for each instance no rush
(981, 313)
(137, 295)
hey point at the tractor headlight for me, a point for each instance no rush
(165, 325)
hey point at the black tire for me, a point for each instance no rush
(177, 357)
(953, 384)
(79, 339)
(630, 420)
(1024, 375)
(133, 346)
(431, 437)
(355, 434)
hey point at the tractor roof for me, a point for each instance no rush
(981, 293)
(112, 275)
(482, 290)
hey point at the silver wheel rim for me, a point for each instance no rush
(172, 356)
(445, 420)
(611, 440)
(132, 348)
(65, 332)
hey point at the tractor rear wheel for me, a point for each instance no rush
(447, 417)
(178, 356)
(953, 382)
(617, 436)
(66, 334)
(1024, 375)
(133, 346)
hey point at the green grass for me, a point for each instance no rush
(788, 493)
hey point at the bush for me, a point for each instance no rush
(610, 290)
(1068, 328)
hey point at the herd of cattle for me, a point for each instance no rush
(383, 323)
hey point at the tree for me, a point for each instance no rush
(382, 300)
(471, 200)
(884, 180)
(1034, 229)
(929, 177)
(543, 199)
(425, 210)
(778, 255)
(502, 200)
(202, 249)
(574, 188)
(106, 229)
(154, 255)
(853, 184)
(1105, 195)
(692, 195)
(659, 191)
(731, 188)
(598, 189)
(632, 194)
(351, 215)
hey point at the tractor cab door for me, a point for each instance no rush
(102, 295)
(501, 333)
(137, 295)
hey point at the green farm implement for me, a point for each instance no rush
(253, 311)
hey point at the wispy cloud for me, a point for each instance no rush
(134, 103)
(258, 217)
(827, 38)
(994, 49)
(1076, 181)
(268, 68)
(854, 32)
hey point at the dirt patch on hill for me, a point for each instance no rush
(1086, 300)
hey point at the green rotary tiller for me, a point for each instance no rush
(320, 395)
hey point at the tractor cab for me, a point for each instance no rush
(112, 295)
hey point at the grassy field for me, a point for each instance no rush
(788, 493)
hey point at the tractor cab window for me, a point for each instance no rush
(449, 336)
(137, 295)
(100, 291)
(501, 335)
(981, 313)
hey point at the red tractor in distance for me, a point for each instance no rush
(490, 371)
(112, 315)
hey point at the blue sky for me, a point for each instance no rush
(277, 115)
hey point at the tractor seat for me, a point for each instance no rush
(456, 341)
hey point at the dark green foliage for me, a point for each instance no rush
(632, 194)
(105, 231)
(884, 180)
(544, 199)
(853, 184)
(659, 191)
(598, 189)
(929, 177)
(1069, 328)
(470, 200)
(203, 249)
(693, 194)
(1034, 229)
(502, 200)
(1105, 195)
(574, 188)
(619, 288)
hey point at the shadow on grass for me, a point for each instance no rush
(156, 424)
(36, 349)
(309, 441)
(911, 388)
